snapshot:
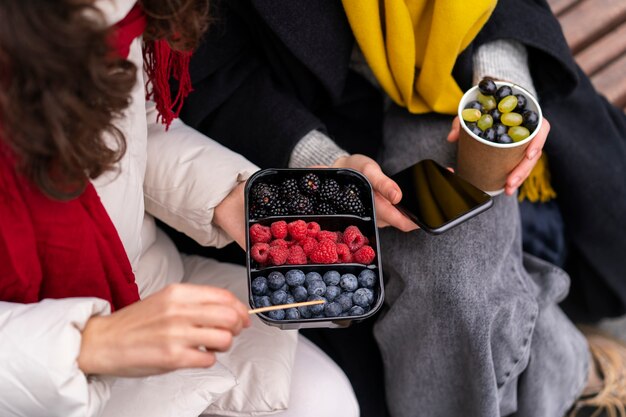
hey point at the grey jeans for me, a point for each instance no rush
(472, 326)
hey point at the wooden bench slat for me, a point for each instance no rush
(590, 19)
(603, 51)
(611, 82)
(559, 6)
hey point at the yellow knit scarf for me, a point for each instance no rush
(412, 46)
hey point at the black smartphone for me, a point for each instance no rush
(436, 199)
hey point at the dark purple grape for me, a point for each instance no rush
(474, 105)
(502, 92)
(489, 134)
(504, 139)
(522, 101)
(500, 129)
(495, 114)
(487, 86)
(530, 120)
(473, 127)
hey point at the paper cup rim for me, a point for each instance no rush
(532, 98)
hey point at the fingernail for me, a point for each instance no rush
(532, 153)
(392, 195)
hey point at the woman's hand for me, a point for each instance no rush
(180, 326)
(230, 214)
(522, 170)
(386, 191)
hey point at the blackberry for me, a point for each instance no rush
(278, 209)
(354, 189)
(300, 204)
(329, 190)
(349, 203)
(310, 184)
(325, 208)
(289, 188)
(264, 195)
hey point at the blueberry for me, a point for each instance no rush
(290, 299)
(487, 86)
(278, 297)
(332, 277)
(356, 311)
(367, 278)
(259, 286)
(263, 301)
(292, 314)
(312, 276)
(276, 314)
(332, 310)
(363, 297)
(305, 312)
(299, 293)
(502, 92)
(349, 282)
(275, 280)
(294, 277)
(285, 287)
(316, 287)
(316, 308)
(332, 291)
(345, 300)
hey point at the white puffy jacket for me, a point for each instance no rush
(178, 176)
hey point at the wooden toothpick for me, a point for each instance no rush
(282, 306)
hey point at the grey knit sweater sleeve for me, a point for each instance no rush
(504, 59)
(315, 148)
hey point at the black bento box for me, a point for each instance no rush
(271, 181)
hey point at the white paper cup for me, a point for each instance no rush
(487, 164)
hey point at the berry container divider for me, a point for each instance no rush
(331, 222)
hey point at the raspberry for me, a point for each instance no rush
(339, 237)
(353, 238)
(260, 234)
(344, 254)
(312, 229)
(308, 245)
(280, 242)
(279, 229)
(277, 255)
(259, 252)
(297, 229)
(325, 234)
(325, 253)
(365, 255)
(296, 256)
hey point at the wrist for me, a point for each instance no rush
(92, 357)
(229, 215)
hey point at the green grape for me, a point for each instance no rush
(511, 119)
(518, 133)
(485, 122)
(471, 115)
(488, 102)
(507, 104)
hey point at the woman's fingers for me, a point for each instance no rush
(388, 215)
(455, 130)
(368, 167)
(533, 153)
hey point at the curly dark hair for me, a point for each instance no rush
(61, 88)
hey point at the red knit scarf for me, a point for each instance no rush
(61, 249)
